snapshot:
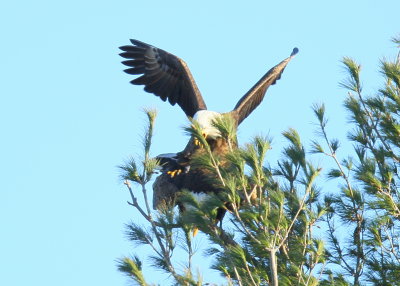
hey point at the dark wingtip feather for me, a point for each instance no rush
(294, 52)
(138, 43)
(139, 81)
(132, 49)
(135, 70)
(125, 55)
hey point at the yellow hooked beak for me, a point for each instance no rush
(197, 142)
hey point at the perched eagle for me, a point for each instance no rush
(168, 77)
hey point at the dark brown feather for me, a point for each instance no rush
(135, 70)
(163, 74)
(194, 179)
(256, 94)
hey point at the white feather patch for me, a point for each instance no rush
(171, 156)
(167, 155)
(199, 198)
(205, 118)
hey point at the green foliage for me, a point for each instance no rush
(226, 126)
(353, 82)
(133, 268)
(368, 202)
(269, 234)
(130, 170)
(138, 234)
(151, 116)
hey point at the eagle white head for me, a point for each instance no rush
(205, 119)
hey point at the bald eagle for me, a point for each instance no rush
(168, 77)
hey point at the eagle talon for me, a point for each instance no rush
(174, 173)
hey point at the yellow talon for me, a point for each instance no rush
(174, 173)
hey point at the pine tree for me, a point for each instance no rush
(368, 200)
(284, 228)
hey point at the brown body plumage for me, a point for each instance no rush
(198, 180)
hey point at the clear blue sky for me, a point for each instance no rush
(69, 116)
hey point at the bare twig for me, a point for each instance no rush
(238, 278)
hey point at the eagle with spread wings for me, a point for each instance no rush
(168, 77)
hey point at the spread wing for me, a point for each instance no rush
(255, 95)
(164, 75)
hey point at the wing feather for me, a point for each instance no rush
(132, 49)
(131, 55)
(164, 75)
(136, 70)
(256, 94)
(140, 80)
